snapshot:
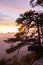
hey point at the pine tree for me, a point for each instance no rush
(26, 20)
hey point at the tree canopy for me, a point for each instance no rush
(30, 19)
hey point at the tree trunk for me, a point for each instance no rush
(39, 35)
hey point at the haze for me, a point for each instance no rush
(5, 28)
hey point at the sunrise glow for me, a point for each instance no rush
(5, 28)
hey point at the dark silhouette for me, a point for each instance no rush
(26, 20)
(34, 3)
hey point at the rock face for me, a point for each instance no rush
(38, 62)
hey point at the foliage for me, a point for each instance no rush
(22, 37)
(34, 3)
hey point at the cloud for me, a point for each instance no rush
(5, 19)
(13, 8)
(14, 5)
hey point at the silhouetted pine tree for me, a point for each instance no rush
(22, 37)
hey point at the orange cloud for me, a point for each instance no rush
(5, 28)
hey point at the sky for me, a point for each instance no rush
(9, 28)
(11, 9)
